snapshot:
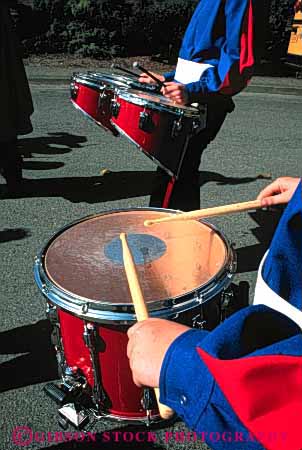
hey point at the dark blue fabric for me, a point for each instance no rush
(187, 386)
(282, 269)
(213, 37)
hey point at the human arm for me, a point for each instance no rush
(217, 381)
(145, 337)
(230, 54)
(279, 191)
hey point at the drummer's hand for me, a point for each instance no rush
(176, 92)
(279, 191)
(144, 78)
(148, 342)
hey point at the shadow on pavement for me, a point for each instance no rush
(13, 234)
(206, 177)
(38, 362)
(109, 187)
(47, 145)
(42, 165)
(249, 258)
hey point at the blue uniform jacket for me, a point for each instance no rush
(220, 33)
(240, 386)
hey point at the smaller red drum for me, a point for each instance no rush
(183, 268)
(92, 93)
(159, 127)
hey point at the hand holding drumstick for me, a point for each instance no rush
(142, 314)
(278, 192)
(208, 212)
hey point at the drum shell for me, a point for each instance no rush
(160, 141)
(124, 397)
(95, 102)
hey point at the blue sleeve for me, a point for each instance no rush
(187, 386)
(232, 66)
(182, 364)
(169, 76)
(282, 269)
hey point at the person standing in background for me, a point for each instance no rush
(16, 105)
(215, 62)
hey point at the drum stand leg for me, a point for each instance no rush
(168, 193)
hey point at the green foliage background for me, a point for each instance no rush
(104, 28)
(110, 28)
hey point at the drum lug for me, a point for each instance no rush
(91, 337)
(177, 127)
(145, 122)
(52, 316)
(115, 108)
(227, 297)
(74, 90)
(198, 322)
(233, 264)
(195, 126)
(200, 123)
(148, 402)
(45, 289)
(200, 297)
(85, 308)
(102, 97)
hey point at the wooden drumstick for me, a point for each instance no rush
(140, 308)
(208, 212)
(136, 65)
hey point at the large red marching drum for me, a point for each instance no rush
(184, 270)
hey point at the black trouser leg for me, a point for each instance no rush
(11, 163)
(186, 192)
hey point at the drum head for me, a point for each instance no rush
(158, 102)
(172, 259)
(97, 80)
(113, 81)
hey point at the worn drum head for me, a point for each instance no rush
(97, 80)
(111, 80)
(158, 102)
(175, 261)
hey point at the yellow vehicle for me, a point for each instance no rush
(294, 50)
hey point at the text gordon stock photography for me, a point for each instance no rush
(151, 224)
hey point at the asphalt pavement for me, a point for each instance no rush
(262, 84)
(64, 162)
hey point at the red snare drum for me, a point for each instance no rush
(183, 269)
(92, 93)
(159, 127)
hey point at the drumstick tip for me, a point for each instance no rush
(147, 223)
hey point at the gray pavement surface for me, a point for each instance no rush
(273, 85)
(62, 162)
